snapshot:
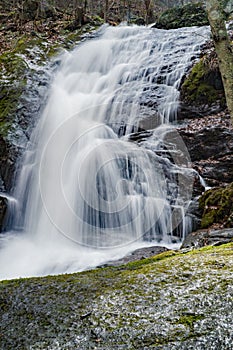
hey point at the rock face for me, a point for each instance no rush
(24, 79)
(8, 160)
(210, 144)
(26, 70)
(3, 209)
(209, 140)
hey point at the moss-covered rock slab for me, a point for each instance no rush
(171, 301)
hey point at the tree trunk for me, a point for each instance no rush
(128, 11)
(106, 11)
(147, 6)
(223, 48)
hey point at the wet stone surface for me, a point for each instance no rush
(138, 254)
(171, 301)
(209, 141)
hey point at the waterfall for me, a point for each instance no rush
(104, 172)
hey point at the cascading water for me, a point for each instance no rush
(94, 184)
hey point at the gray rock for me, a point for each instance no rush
(211, 151)
(177, 302)
(8, 159)
(138, 254)
(3, 209)
(215, 142)
(202, 238)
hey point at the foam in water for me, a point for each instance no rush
(87, 193)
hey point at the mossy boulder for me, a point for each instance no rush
(202, 91)
(183, 16)
(217, 207)
(175, 300)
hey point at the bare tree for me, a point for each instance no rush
(128, 11)
(148, 4)
(106, 10)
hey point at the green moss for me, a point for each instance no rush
(217, 207)
(189, 319)
(12, 78)
(196, 87)
(14, 69)
(143, 262)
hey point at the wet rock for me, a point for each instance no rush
(190, 110)
(8, 163)
(172, 301)
(3, 209)
(216, 172)
(213, 142)
(202, 238)
(138, 254)
(139, 21)
(210, 145)
(140, 136)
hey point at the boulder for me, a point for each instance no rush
(202, 91)
(138, 254)
(202, 238)
(35, 9)
(217, 207)
(183, 16)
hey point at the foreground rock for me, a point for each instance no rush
(171, 301)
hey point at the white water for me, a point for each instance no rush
(86, 194)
